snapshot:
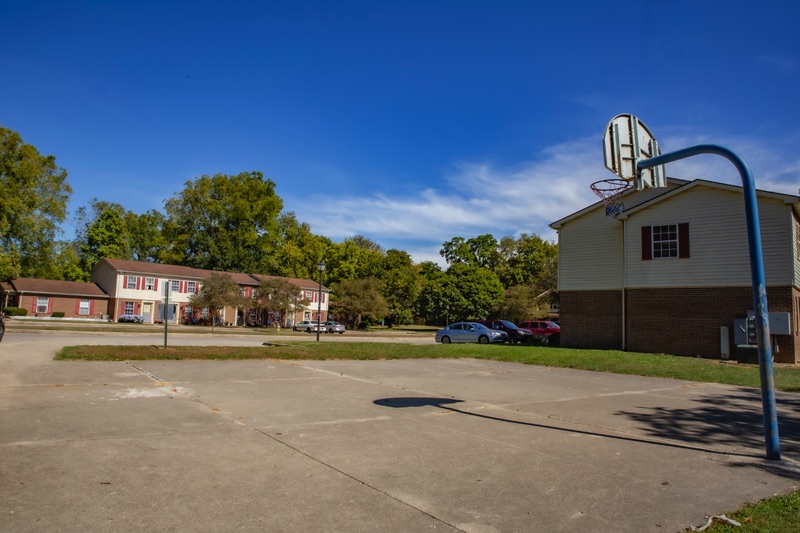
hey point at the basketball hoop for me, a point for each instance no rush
(611, 191)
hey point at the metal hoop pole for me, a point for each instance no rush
(773, 446)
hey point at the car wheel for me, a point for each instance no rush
(445, 340)
(341, 333)
(308, 330)
(483, 339)
(545, 340)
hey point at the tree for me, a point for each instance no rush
(279, 295)
(33, 203)
(225, 222)
(217, 292)
(478, 251)
(146, 240)
(105, 238)
(359, 299)
(402, 283)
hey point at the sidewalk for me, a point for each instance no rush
(389, 446)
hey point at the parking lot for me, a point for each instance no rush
(390, 446)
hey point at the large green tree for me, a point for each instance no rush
(359, 299)
(225, 222)
(33, 203)
(278, 295)
(106, 237)
(402, 283)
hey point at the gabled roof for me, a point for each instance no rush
(785, 198)
(682, 187)
(144, 268)
(55, 287)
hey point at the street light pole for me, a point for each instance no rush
(321, 267)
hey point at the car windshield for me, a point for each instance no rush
(508, 324)
(478, 326)
(552, 324)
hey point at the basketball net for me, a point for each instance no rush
(611, 191)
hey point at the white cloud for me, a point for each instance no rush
(477, 197)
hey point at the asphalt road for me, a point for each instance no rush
(351, 446)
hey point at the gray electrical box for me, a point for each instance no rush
(779, 323)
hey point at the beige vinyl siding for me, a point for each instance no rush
(590, 253)
(795, 249)
(590, 246)
(719, 251)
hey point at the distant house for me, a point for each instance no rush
(137, 288)
(672, 270)
(43, 297)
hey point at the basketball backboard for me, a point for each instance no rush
(627, 140)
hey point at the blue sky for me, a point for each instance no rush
(409, 122)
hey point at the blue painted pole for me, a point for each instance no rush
(773, 446)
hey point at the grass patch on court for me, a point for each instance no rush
(633, 363)
(780, 514)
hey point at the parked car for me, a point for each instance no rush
(131, 318)
(516, 334)
(306, 325)
(470, 332)
(543, 330)
(331, 326)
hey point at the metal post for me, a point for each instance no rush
(166, 311)
(321, 267)
(773, 447)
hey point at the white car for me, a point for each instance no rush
(331, 326)
(306, 325)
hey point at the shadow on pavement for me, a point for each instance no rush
(443, 403)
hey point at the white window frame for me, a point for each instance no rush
(130, 308)
(150, 284)
(665, 241)
(132, 282)
(191, 287)
(42, 304)
(175, 285)
(84, 307)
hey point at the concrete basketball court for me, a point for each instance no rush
(352, 446)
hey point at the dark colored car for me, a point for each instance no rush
(515, 333)
(544, 330)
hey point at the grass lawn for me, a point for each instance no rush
(780, 514)
(641, 364)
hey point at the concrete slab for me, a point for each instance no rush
(420, 445)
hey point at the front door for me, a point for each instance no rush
(147, 312)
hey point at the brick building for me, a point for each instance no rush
(670, 271)
(43, 297)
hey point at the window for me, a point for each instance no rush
(150, 284)
(191, 287)
(42, 304)
(131, 282)
(84, 307)
(129, 309)
(175, 285)
(255, 294)
(664, 242)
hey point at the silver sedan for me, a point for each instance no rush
(470, 332)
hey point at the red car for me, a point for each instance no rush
(543, 330)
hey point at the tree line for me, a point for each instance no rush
(237, 223)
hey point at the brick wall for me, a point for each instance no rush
(679, 321)
(66, 305)
(591, 319)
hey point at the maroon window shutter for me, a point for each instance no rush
(91, 307)
(49, 305)
(647, 243)
(77, 307)
(683, 240)
(155, 286)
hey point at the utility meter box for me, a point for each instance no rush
(779, 323)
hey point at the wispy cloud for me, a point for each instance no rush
(478, 197)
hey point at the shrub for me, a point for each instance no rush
(15, 311)
(58, 314)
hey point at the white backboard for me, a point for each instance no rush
(627, 140)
